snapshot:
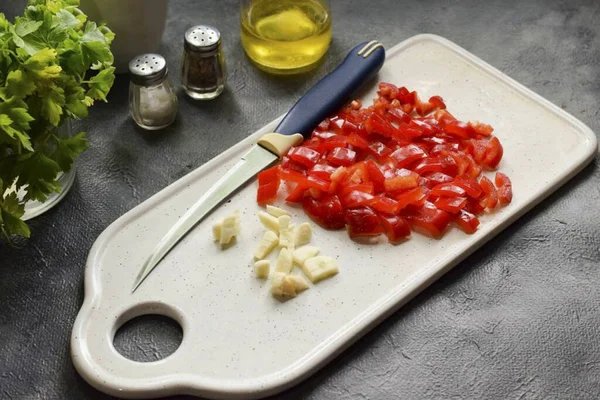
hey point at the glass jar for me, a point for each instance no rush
(65, 179)
(203, 73)
(285, 36)
(152, 99)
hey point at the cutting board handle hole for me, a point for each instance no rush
(148, 337)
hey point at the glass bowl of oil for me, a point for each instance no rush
(285, 36)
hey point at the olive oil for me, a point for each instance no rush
(285, 36)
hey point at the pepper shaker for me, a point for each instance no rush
(152, 99)
(203, 65)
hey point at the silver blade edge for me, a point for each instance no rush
(254, 161)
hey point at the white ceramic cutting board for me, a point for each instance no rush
(239, 342)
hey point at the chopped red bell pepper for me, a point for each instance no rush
(400, 164)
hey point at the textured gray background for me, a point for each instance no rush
(516, 320)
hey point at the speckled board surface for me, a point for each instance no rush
(228, 317)
(516, 319)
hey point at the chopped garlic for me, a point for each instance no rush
(283, 285)
(302, 234)
(280, 231)
(217, 230)
(304, 253)
(276, 211)
(269, 221)
(227, 229)
(319, 267)
(300, 283)
(268, 243)
(230, 228)
(285, 233)
(284, 261)
(262, 268)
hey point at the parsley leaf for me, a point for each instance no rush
(101, 84)
(52, 102)
(96, 52)
(65, 20)
(38, 172)
(11, 212)
(41, 66)
(12, 132)
(24, 27)
(68, 149)
(4, 24)
(17, 84)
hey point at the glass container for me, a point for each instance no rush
(152, 99)
(285, 36)
(203, 72)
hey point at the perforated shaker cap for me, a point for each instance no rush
(202, 38)
(148, 69)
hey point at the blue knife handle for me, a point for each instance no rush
(333, 91)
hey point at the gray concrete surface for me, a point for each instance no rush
(516, 320)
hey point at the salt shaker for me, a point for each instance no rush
(203, 65)
(152, 99)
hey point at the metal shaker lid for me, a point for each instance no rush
(202, 38)
(148, 69)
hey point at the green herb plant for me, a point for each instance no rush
(54, 64)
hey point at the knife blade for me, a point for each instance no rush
(329, 94)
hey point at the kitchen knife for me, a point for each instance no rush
(322, 100)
